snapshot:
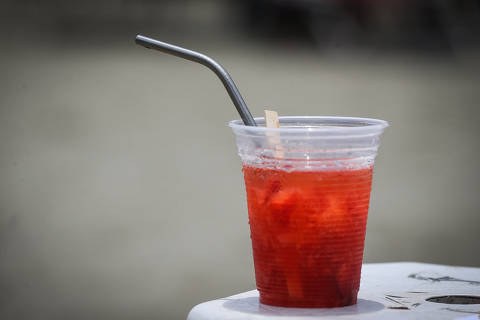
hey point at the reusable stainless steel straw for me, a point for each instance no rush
(207, 62)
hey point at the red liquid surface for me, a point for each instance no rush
(308, 232)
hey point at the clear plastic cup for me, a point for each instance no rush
(308, 189)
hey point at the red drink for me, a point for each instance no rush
(308, 232)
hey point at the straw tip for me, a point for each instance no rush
(142, 41)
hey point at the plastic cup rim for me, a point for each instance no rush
(359, 125)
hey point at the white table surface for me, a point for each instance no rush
(387, 291)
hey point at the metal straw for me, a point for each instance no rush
(207, 62)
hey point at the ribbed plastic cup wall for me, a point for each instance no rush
(308, 189)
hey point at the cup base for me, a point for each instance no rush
(317, 303)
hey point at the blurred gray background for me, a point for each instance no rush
(121, 194)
